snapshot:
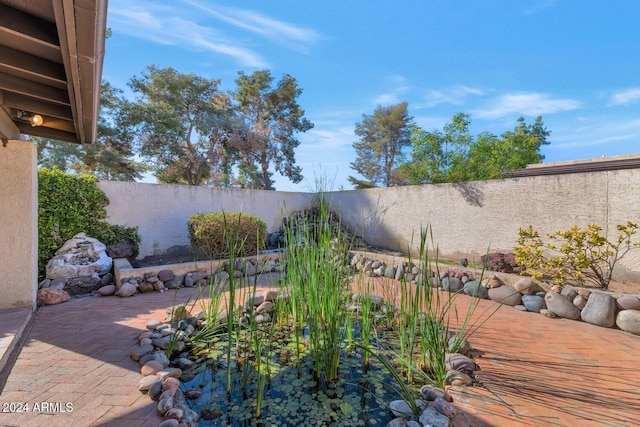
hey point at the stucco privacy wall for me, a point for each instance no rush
(161, 212)
(469, 218)
(19, 225)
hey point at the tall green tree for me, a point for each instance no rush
(383, 136)
(454, 155)
(110, 157)
(167, 121)
(270, 118)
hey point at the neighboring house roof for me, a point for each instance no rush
(630, 161)
(51, 56)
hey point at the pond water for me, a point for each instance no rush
(291, 394)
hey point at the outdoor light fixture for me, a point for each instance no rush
(34, 119)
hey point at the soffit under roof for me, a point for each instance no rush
(51, 56)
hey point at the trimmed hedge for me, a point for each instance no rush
(69, 204)
(218, 234)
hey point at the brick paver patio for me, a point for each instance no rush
(535, 371)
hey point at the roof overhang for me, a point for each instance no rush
(51, 57)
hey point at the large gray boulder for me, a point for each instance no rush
(561, 306)
(600, 310)
(629, 321)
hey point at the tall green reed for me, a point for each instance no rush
(318, 284)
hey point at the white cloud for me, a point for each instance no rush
(176, 25)
(298, 38)
(387, 99)
(399, 87)
(329, 138)
(455, 95)
(596, 132)
(525, 103)
(625, 96)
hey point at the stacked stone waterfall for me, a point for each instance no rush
(79, 267)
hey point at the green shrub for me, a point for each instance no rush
(581, 255)
(68, 205)
(217, 234)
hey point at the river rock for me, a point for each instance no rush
(140, 350)
(254, 300)
(151, 367)
(174, 283)
(600, 310)
(265, 307)
(51, 296)
(568, 292)
(126, 290)
(524, 285)
(192, 394)
(533, 303)
(459, 362)
(429, 393)
(145, 287)
(390, 272)
(164, 405)
(165, 275)
(475, 288)
(505, 295)
(431, 417)
(457, 378)
(175, 413)
(628, 302)
(584, 292)
(452, 284)
(145, 383)
(629, 321)
(107, 290)
(188, 281)
(444, 407)
(579, 301)
(494, 282)
(400, 408)
(561, 306)
(152, 325)
(548, 313)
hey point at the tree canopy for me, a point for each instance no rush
(165, 121)
(454, 155)
(383, 136)
(270, 117)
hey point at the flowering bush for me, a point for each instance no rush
(583, 255)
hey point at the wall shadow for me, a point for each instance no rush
(470, 193)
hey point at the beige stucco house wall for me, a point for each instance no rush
(18, 225)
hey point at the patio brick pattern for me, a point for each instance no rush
(534, 371)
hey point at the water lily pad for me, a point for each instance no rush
(346, 408)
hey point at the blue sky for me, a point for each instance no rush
(574, 62)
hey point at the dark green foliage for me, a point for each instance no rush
(68, 205)
(454, 155)
(383, 136)
(216, 233)
(270, 117)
